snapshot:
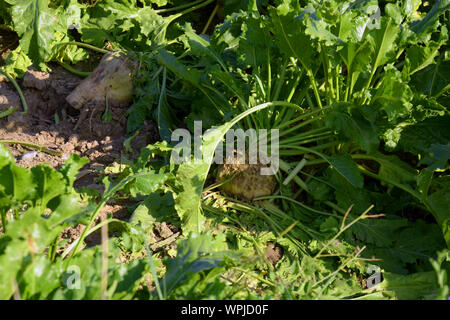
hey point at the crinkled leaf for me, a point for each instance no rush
(17, 63)
(195, 254)
(154, 208)
(291, 37)
(319, 29)
(16, 185)
(418, 138)
(394, 95)
(50, 183)
(72, 166)
(380, 232)
(416, 241)
(418, 57)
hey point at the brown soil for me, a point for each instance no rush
(50, 123)
(8, 41)
(101, 143)
(118, 211)
(274, 252)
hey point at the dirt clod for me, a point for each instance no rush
(274, 252)
(163, 230)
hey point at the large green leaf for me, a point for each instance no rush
(200, 252)
(169, 60)
(380, 232)
(434, 79)
(16, 183)
(351, 124)
(50, 183)
(155, 207)
(345, 165)
(37, 25)
(431, 20)
(383, 42)
(291, 37)
(40, 278)
(413, 242)
(10, 262)
(418, 57)
(201, 46)
(392, 168)
(419, 137)
(357, 56)
(31, 232)
(255, 42)
(393, 95)
(421, 285)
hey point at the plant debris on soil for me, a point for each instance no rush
(51, 123)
